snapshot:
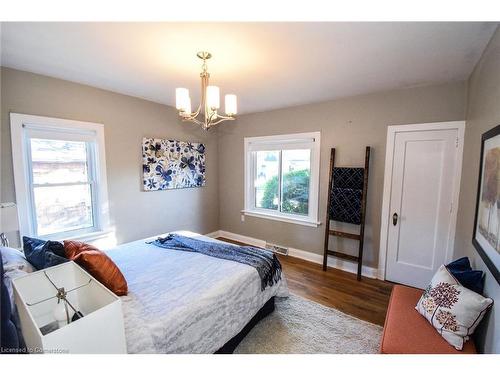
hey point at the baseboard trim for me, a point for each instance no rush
(341, 264)
(213, 234)
(240, 238)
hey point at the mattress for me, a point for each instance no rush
(185, 302)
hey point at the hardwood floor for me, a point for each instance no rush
(366, 299)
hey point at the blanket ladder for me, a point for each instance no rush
(347, 190)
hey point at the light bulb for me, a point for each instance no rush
(61, 312)
(187, 108)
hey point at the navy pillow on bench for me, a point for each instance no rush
(42, 254)
(466, 276)
(9, 338)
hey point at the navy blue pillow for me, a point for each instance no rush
(42, 254)
(461, 264)
(469, 278)
(8, 337)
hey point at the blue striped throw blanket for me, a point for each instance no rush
(265, 262)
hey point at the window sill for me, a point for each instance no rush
(91, 236)
(293, 220)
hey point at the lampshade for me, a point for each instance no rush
(213, 97)
(181, 99)
(9, 221)
(187, 106)
(231, 105)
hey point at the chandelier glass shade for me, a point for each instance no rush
(206, 115)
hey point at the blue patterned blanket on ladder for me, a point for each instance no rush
(265, 262)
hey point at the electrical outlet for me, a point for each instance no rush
(242, 218)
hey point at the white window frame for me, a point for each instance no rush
(310, 141)
(23, 127)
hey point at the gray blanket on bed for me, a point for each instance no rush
(265, 262)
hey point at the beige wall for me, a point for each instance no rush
(134, 214)
(348, 125)
(483, 113)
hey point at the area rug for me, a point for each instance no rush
(300, 326)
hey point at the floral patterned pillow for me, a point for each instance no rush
(452, 309)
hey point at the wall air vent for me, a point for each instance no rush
(276, 248)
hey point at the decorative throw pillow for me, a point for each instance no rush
(8, 334)
(452, 309)
(98, 265)
(461, 264)
(42, 254)
(463, 272)
(14, 259)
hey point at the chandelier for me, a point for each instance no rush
(210, 101)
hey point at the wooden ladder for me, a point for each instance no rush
(354, 236)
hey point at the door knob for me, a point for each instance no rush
(394, 219)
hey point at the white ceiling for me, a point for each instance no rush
(268, 65)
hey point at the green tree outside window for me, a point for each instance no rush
(295, 193)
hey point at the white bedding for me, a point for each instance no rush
(184, 302)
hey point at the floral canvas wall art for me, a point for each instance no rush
(171, 164)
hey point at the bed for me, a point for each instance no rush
(185, 302)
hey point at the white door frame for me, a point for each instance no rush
(386, 198)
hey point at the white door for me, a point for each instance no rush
(421, 221)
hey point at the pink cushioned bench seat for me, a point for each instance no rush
(408, 332)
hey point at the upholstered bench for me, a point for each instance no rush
(408, 332)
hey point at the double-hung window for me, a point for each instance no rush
(282, 177)
(60, 180)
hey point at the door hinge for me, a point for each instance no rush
(456, 142)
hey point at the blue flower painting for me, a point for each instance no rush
(170, 164)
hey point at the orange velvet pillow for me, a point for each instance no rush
(98, 265)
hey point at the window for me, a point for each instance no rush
(282, 177)
(59, 177)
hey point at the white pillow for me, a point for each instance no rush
(451, 308)
(14, 265)
(15, 259)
